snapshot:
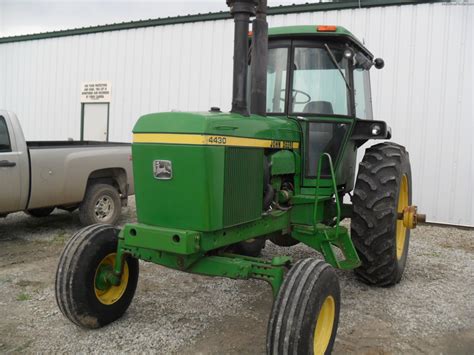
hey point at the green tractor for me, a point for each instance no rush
(212, 187)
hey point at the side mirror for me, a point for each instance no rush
(379, 63)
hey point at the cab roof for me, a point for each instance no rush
(317, 31)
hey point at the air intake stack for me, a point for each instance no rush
(258, 81)
(241, 10)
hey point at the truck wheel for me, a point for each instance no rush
(40, 212)
(251, 247)
(305, 314)
(383, 188)
(82, 296)
(101, 204)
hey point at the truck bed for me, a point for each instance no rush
(58, 173)
(72, 144)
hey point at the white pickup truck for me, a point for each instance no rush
(37, 177)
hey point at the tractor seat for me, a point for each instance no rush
(321, 107)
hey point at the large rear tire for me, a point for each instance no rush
(305, 314)
(382, 190)
(78, 294)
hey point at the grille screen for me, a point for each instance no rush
(243, 185)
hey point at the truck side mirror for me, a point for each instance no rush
(379, 63)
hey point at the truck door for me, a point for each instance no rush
(10, 179)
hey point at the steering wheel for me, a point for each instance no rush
(294, 93)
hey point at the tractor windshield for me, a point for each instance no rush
(318, 86)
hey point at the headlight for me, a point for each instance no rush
(376, 129)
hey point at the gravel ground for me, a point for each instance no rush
(430, 311)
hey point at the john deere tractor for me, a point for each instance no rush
(212, 187)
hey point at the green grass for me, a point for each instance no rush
(23, 297)
(60, 237)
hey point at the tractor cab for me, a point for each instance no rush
(318, 71)
(319, 76)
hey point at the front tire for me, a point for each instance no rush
(382, 190)
(78, 294)
(305, 314)
(101, 204)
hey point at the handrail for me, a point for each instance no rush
(334, 185)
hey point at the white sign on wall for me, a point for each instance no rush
(96, 91)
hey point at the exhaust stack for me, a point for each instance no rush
(258, 81)
(241, 10)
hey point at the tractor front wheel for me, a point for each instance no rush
(83, 293)
(305, 314)
(382, 192)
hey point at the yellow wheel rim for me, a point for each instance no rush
(401, 230)
(324, 326)
(113, 293)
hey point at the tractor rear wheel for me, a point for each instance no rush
(82, 293)
(383, 189)
(305, 314)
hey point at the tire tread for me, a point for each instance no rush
(291, 305)
(71, 265)
(374, 217)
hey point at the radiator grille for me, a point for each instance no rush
(243, 185)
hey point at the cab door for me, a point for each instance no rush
(319, 96)
(10, 178)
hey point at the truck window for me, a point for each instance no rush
(4, 137)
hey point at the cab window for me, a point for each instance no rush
(4, 137)
(323, 137)
(362, 97)
(276, 79)
(318, 85)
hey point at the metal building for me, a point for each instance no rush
(424, 92)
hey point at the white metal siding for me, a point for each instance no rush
(424, 92)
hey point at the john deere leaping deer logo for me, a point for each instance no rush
(162, 169)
